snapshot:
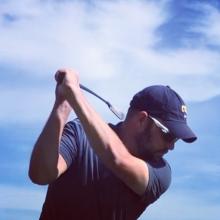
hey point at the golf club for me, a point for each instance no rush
(118, 113)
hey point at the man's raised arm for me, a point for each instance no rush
(46, 164)
(110, 149)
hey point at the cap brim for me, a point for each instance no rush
(181, 131)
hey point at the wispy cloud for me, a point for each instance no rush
(209, 27)
(110, 41)
(69, 33)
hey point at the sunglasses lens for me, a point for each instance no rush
(167, 135)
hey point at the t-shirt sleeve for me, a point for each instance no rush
(159, 180)
(69, 144)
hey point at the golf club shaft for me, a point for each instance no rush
(93, 93)
(119, 114)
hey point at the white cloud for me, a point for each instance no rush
(209, 27)
(111, 43)
(69, 34)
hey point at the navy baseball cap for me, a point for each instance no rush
(164, 104)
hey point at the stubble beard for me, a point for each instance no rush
(144, 141)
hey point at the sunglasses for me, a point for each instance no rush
(165, 131)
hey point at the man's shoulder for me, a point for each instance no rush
(74, 126)
(159, 175)
(74, 122)
(161, 169)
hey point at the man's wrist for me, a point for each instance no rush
(73, 93)
(62, 110)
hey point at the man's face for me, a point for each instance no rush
(153, 142)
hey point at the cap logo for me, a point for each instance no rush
(183, 109)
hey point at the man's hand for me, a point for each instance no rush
(67, 81)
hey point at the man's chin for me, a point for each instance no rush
(154, 155)
(159, 155)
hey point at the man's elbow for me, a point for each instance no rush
(40, 178)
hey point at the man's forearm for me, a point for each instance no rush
(43, 164)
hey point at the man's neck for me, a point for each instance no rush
(125, 133)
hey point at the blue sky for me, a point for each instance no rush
(118, 47)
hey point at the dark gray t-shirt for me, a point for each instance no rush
(90, 191)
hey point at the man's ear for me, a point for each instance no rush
(142, 119)
(143, 115)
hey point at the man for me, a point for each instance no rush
(100, 171)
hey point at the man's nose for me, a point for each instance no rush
(171, 144)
